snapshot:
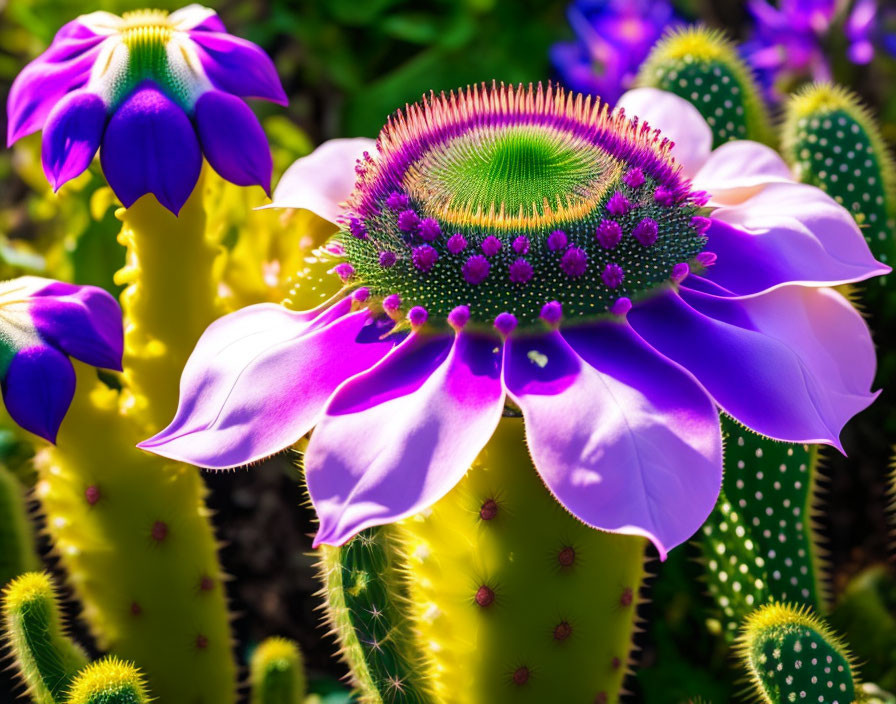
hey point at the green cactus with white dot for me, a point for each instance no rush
(496, 594)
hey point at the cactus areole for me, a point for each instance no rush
(529, 248)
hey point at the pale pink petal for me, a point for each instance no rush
(738, 170)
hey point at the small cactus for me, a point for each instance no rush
(703, 67)
(43, 654)
(277, 673)
(791, 656)
(108, 681)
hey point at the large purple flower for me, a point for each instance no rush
(791, 38)
(528, 251)
(42, 324)
(613, 37)
(154, 92)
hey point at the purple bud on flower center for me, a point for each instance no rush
(457, 243)
(520, 271)
(609, 234)
(344, 271)
(476, 269)
(621, 306)
(392, 303)
(387, 259)
(646, 231)
(424, 257)
(551, 312)
(618, 204)
(408, 221)
(417, 316)
(491, 245)
(521, 245)
(574, 262)
(459, 317)
(430, 230)
(398, 201)
(680, 272)
(634, 178)
(612, 275)
(505, 323)
(557, 240)
(706, 259)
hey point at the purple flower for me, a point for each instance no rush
(619, 373)
(790, 38)
(157, 92)
(613, 37)
(42, 324)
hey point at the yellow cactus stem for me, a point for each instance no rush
(514, 600)
(109, 681)
(277, 673)
(132, 530)
(171, 297)
(43, 654)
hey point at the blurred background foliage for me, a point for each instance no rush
(346, 65)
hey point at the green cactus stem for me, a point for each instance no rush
(17, 554)
(791, 656)
(277, 673)
(760, 543)
(108, 681)
(702, 66)
(44, 656)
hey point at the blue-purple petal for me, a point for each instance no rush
(239, 67)
(38, 389)
(82, 321)
(232, 140)
(72, 135)
(150, 146)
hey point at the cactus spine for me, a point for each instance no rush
(276, 673)
(44, 655)
(108, 681)
(792, 656)
(131, 529)
(703, 67)
(17, 554)
(496, 592)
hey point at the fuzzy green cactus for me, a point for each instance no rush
(833, 143)
(16, 536)
(703, 67)
(791, 656)
(277, 673)
(759, 544)
(44, 656)
(496, 593)
(132, 530)
(367, 612)
(108, 681)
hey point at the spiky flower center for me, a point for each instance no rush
(503, 200)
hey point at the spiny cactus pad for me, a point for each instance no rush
(368, 611)
(759, 542)
(703, 67)
(833, 143)
(44, 656)
(277, 673)
(791, 656)
(109, 681)
(513, 599)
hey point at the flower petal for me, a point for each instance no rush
(794, 364)
(624, 439)
(38, 389)
(789, 233)
(82, 321)
(150, 147)
(64, 67)
(259, 378)
(677, 120)
(321, 181)
(238, 66)
(232, 140)
(397, 438)
(72, 135)
(737, 170)
(195, 17)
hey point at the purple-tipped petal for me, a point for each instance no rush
(64, 67)
(82, 321)
(740, 169)
(232, 140)
(72, 134)
(38, 389)
(196, 18)
(624, 439)
(259, 378)
(324, 179)
(677, 120)
(789, 233)
(397, 438)
(150, 147)
(794, 364)
(238, 66)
